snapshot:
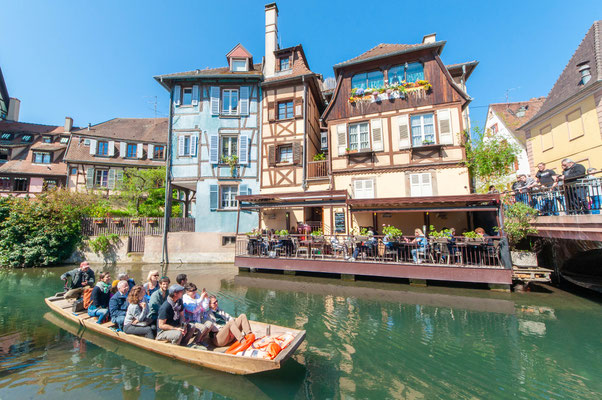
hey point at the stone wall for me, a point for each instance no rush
(189, 247)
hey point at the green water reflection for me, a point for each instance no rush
(364, 340)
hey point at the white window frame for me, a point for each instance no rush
(364, 189)
(420, 189)
(230, 93)
(223, 140)
(245, 67)
(227, 197)
(422, 125)
(355, 139)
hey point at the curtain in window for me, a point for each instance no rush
(395, 75)
(416, 130)
(353, 133)
(414, 72)
(358, 81)
(429, 128)
(376, 79)
(364, 137)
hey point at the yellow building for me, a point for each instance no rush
(569, 124)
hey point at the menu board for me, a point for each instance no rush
(339, 222)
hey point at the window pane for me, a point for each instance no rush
(187, 96)
(286, 154)
(234, 101)
(284, 63)
(396, 75)
(376, 79)
(131, 151)
(358, 81)
(416, 130)
(414, 72)
(226, 102)
(281, 110)
(158, 152)
(239, 65)
(186, 145)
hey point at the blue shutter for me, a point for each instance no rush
(214, 100)
(176, 95)
(194, 145)
(244, 100)
(213, 196)
(243, 190)
(243, 149)
(214, 148)
(250, 192)
(195, 95)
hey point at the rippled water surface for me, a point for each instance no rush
(364, 340)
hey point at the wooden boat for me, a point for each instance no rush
(213, 357)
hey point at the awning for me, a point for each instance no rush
(469, 202)
(299, 199)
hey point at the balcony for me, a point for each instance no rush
(317, 170)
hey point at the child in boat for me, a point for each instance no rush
(225, 329)
(195, 305)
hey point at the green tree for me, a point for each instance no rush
(489, 158)
(143, 191)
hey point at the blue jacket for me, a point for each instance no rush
(118, 305)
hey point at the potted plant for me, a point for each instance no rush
(151, 221)
(135, 221)
(232, 162)
(441, 236)
(319, 157)
(394, 234)
(427, 142)
(517, 226)
(317, 235)
(117, 220)
(99, 221)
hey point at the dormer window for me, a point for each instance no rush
(521, 111)
(374, 79)
(585, 72)
(7, 136)
(239, 65)
(285, 63)
(26, 138)
(64, 140)
(409, 72)
(47, 139)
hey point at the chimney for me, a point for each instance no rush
(68, 124)
(430, 38)
(271, 39)
(89, 125)
(14, 106)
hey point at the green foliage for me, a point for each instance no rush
(443, 233)
(517, 222)
(102, 244)
(471, 235)
(283, 232)
(489, 157)
(317, 232)
(41, 231)
(143, 192)
(393, 232)
(319, 157)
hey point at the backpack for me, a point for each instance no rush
(87, 296)
(78, 306)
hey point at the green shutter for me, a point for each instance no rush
(90, 178)
(111, 183)
(213, 197)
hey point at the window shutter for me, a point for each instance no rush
(243, 149)
(111, 183)
(213, 196)
(342, 138)
(427, 188)
(296, 153)
(404, 131)
(271, 112)
(90, 178)
(272, 155)
(377, 134)
(243, 190)
(139, 150)
(445, 131)
(415, 185)
(118, 176)
(277, 65)
(151, 151)
(111, 148)
(181, 148)
(195, 95)
(92, 146)
(214, 148)
(176, 94)
(194, 144)
(368, 188)
(298, 103)
(244, 100)
(214, 100)
(358, 189)
(122, 147)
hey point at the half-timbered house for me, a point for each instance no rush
(215, 141)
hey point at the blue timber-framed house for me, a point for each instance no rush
(215, 141)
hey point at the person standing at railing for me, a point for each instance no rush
(576, 195)
(593, 187)
(546, 178)
(521, 188)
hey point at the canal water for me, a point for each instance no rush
(364, 340)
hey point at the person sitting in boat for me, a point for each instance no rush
(118, 304)
(158, 298)
(152, 284)
(81, 278)
(136, 318)
(125, 277)
(225, 328)
(195, 305)
(100, 298)
(182, 280)
(170, 320)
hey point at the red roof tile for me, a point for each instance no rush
(507, 113)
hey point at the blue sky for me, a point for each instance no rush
(94, 60)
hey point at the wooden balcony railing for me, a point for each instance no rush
(318, 169)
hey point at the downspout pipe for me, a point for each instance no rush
(167, 213)
(304, 186)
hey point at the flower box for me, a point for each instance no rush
(151, 221)
(99, 221)
(135, 221)
(117, 221)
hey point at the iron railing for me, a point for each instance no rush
(452, 251)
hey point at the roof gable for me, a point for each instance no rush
(239, 52)
(510, 115)
(568, 83)
(389, 49)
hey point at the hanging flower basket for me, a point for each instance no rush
(151, 221)
(99, 221)
(135, 221)
(117, 221)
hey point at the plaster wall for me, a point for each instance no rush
(189, 247)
